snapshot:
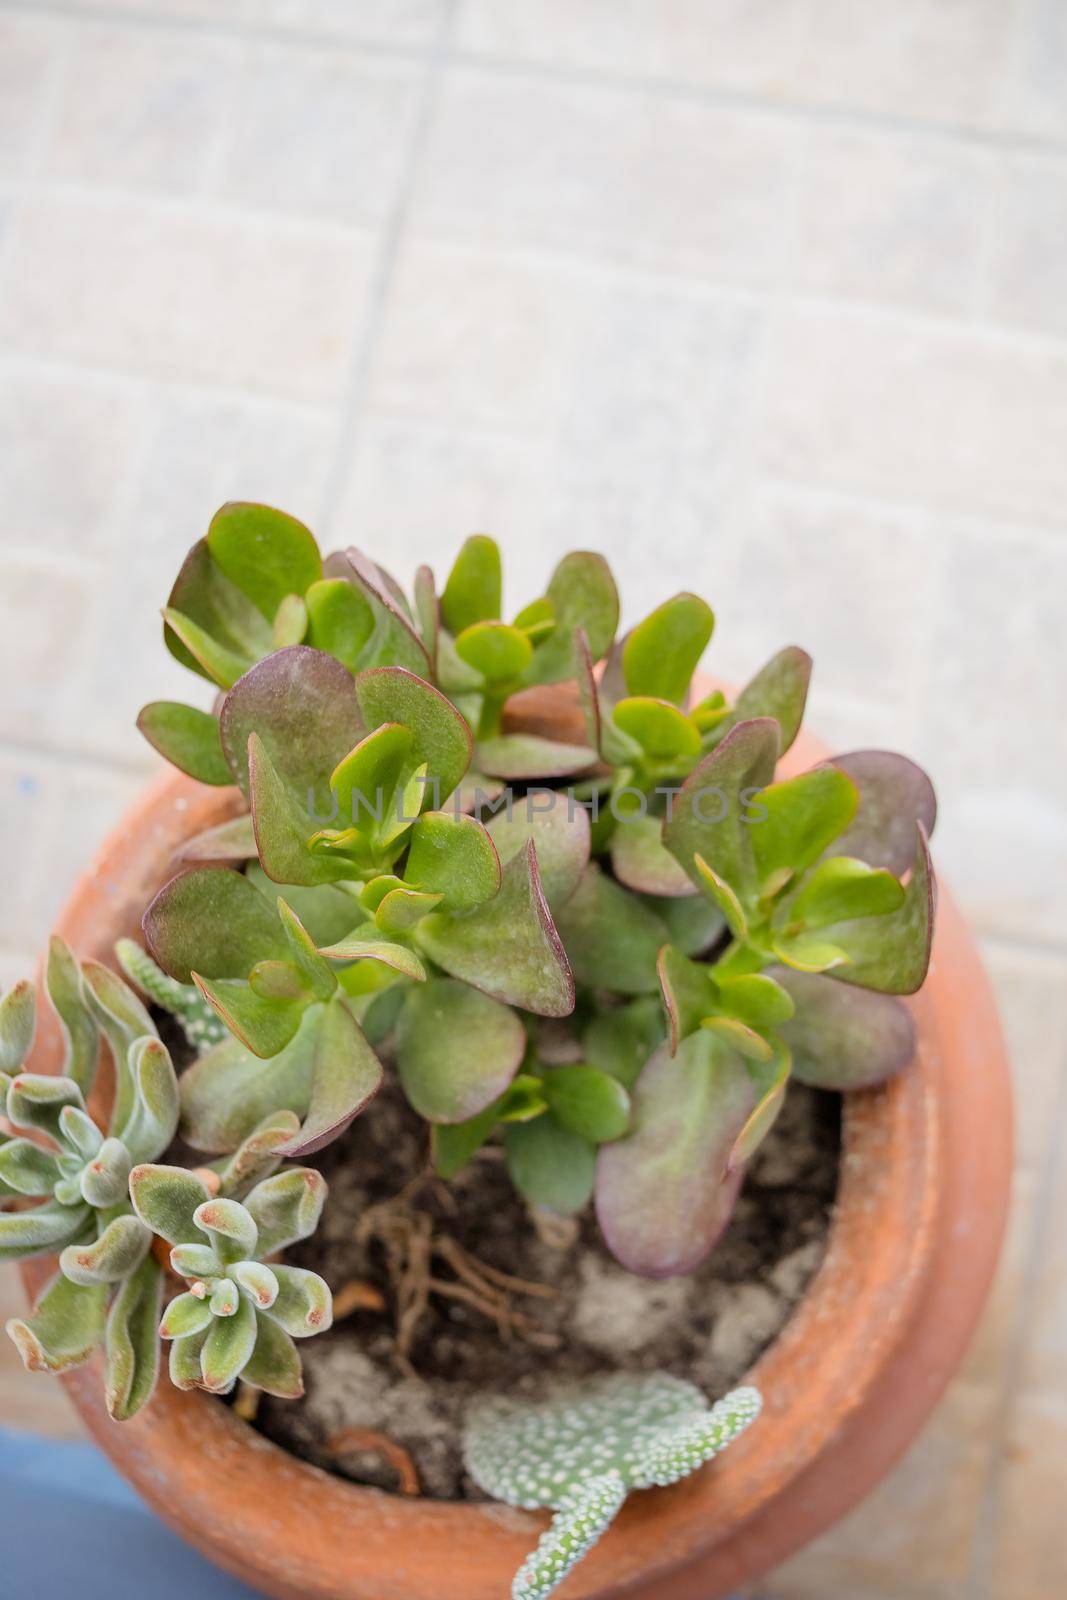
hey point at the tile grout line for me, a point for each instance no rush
(993, 137)
(979, 1583)
(349, 411)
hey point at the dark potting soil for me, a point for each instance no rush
(477, 1335)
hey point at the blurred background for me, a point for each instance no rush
(763, 298)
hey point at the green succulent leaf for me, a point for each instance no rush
(81, 1039)
(843, 1037)
(28, 1169)
(454, 857)
(689, 993)
(621, 1040)
(36, 1100)
(265, 1022)
(661, 654)
(287, 1207)
(111, 1257)
(18, 1017)
(217, 622)
(258, 1155)
(710, 812)
(496, 650)
(528, 758)
(755, 998)
(264, 553)
(551, 1166)
(41, 1231)
(290, 622)
(104, 1179)
(802, 816)
(779, 690)
(842, 888)
(345, 1077)
(274, 1364)
(231, 1230)
(473, 592)
(612, 938)
(229, 1091)
(583, 1516)
(340, 620)
(392, 640)
(166, 1200)
(302, 706)
(64, 1329)
(214, 920)
(587, 1101)
(583, 595)
(200, 650)
(457, 1050)
(131, 1341)
(894, 795)
(641, 860)
(770, 1079)
(186, 737)
(427, 611)
(694, 924)
(663, 1194)
(559, 829)
(507, 947)
(153, 1120)
(232, 841)
(304, 1305)
(441, 737)
(187, 1314)
(891, 953)
(455, 1143)
(123, 1020)
(228, 1348)
(184, 1363)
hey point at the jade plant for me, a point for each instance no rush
(605, 934)
(100, 1206)
(583, 1448)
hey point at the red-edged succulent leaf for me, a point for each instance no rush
(441, 738)
(689, 993)
(228, 1092)
(559, 828)
(771, 1080)
(661, 654)
(224, 626)
(227, 841)
(843, 1037)
(267, 554)
(527, 757)
(641, 860)
(214, 921)
(583, 595)
(302, 704)
(454, 857)
(186, 737)
(709, 816)
(892, 953)
(779, 690)
(508, 947)
(457, 1050)
(621, 1040)
(663, 1195)
(894, 794)
(392, 640)
(611, 937)
(345, 1077)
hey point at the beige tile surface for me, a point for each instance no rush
(765, 298)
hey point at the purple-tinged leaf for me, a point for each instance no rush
(641, 860)
(709, 814)
(186, 737)
(842, 1037)
(284, 827)
(527, 758)
(611, 937)
(64, 1328)
(258, 1155)
(559, 828)
(302, 704)
(228, 1092)
(345, 1077)
(228, 841)
(427, 612)
(509, 947)
(392, 642)
(779, 690)
(214, 920)
(693, 923)
(892, 953)
(441, 738)
(894, 794)
(457, 1050)
(266, 554)
(367, 944)
(663, 1195)
(588, 692)
(219, 613)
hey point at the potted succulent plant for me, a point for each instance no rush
(545, 953)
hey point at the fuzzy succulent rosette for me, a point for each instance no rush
(606, 938)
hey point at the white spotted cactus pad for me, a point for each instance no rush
(582, 1450)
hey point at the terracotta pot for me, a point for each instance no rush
(921, 1207)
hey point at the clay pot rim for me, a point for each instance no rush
(852, 1321)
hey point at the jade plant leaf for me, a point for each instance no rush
(621, 1040)
(302, 705)
(187, 738)
(799, 818)
(18, 1019)
(229, 1091)
(232, 841)
(689, 993)
(392, 640)
(340, 620)
(499, 652)
(527, 757)
(779, 690)
(508, 947)
(661, 654)
(641, 860)
(454, 857)
(551, 1166)
(841, 888)
(559, 828)
(457, 1050)
(612, 939)
(844, 1037)
(659, 729)
(345, 1077)
(266, 554)
(215, 921)
(441, 737)
(891, 953)
(710, 815)
(473, 592)
(583, 595)
(209, 625)
(894, 795)
(663, 1195)
(587, 1101)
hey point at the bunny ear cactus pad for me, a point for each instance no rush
(585, 1447)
